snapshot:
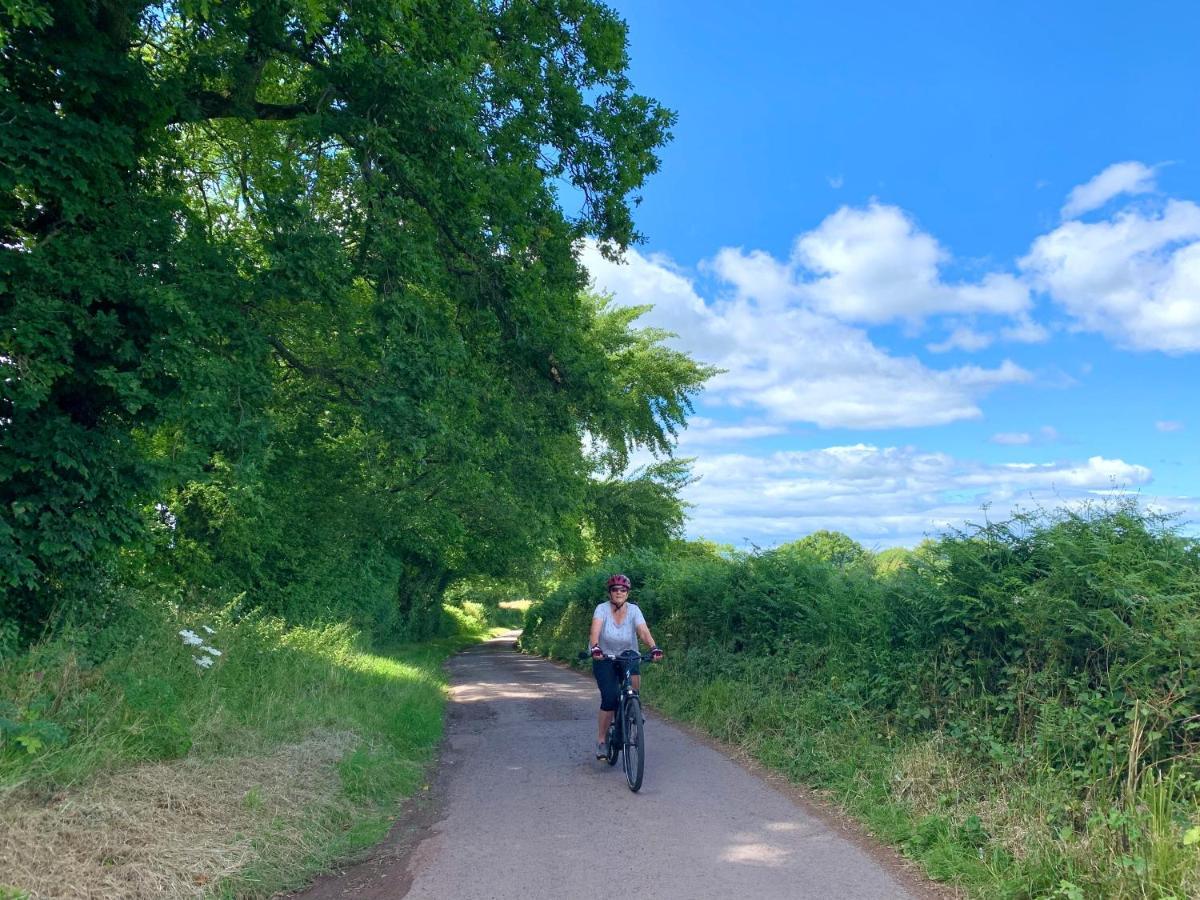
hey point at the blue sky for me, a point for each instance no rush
(949, 255)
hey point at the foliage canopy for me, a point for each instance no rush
(290, 306)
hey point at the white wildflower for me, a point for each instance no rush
(191, 638)
(213, 650)
(209, 630)
(204, 662)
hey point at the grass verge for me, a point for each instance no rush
(133, 770)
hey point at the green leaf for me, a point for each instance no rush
(30, 742)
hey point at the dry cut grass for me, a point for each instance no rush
(929, 779)
(172, 829)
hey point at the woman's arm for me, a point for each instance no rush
(594, 634)
(643, 631)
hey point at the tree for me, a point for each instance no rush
(640, 512)
(830, 546)
(296, 281)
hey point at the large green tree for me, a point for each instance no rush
(292, 285)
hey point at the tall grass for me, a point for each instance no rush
(1017, 706)
(128, 691)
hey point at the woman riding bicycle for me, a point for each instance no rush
(616, 626)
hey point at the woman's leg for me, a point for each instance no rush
(605, 719)
(606, 679)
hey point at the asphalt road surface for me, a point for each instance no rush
(523, 810)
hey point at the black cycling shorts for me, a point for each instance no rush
(609, 673)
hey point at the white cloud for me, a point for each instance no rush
(702, 431)
(1134, 278)
(1047, 434)
(962, 338)
(792, 335)
(1012, 438)
(787, 361)
(1119, 178)
(880, 495)
(865, 266)
(1025, 331)
(874, 265)
(756, 275)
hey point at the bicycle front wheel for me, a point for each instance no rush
(635, 744)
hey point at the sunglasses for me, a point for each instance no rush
(621, 590)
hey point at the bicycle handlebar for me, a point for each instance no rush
(645, 657)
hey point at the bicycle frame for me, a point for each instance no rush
(626, 691)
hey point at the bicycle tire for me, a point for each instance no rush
(612, 748)
(635, 744)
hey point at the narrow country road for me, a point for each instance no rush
(526, 812)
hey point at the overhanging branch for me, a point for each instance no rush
(333, 376)
(207, 105)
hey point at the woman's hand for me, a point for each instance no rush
(597, 653)
(656, 654)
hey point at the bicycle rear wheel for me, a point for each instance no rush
(635, 744)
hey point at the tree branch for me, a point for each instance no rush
(349, 391)
(207, 105)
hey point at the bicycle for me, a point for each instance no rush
(627, 732)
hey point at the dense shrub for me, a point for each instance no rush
(1044, 636)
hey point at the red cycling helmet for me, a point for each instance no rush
(620, 581)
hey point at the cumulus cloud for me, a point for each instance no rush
(792, 335)
(756, 275)
(870, 266)
(880, 495)
(1120, 178)
(1023, 330)
(874, 265)
(787, 361)
(1134, 278)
